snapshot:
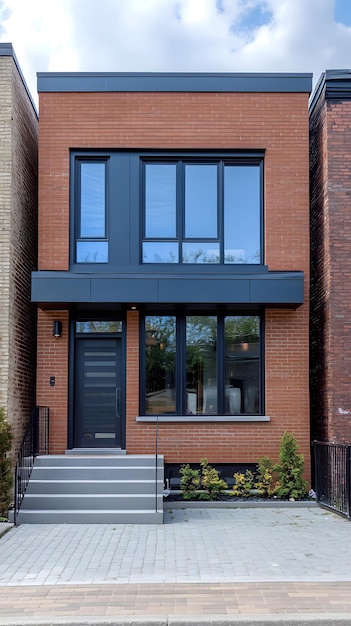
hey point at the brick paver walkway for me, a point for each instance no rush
(175, 599)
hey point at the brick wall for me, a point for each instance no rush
(18, 251)
(277, 123)
(331, 269)
(53, 361)
(5, 219)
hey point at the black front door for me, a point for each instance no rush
(99, 408)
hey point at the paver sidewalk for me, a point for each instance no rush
(219, 563)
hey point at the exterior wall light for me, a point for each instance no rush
(57, 329)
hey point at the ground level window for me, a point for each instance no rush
(202, 365)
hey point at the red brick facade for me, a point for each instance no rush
(330, 129)
(274, 122)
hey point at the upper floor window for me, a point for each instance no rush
(202, 212)
(91, 226)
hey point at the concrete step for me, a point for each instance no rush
(93, 486)
(68, 460)
(89, 517)
(96, 502)
(96, 451)
(91, 472)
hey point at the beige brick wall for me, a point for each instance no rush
(18, 246)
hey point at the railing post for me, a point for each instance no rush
(15, 497)
(348, 480)
(156, 463)
(35, 433)
(30, 447)
(316, 473)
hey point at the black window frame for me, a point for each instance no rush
(181, 160)
(181, 401)
(78, 161)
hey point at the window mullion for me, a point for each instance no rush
(220, 365)
(180, 204)
(181, 365)
(220, 210)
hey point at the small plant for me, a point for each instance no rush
(190, 482)
(211, 482)
(5, 464)
(264, 477)
(244, 483)
(290, 482)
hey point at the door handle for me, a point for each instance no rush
(118, 397)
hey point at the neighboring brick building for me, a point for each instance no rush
(330, 156)
(174, 259)
(18, 248)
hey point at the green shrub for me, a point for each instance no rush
(5, 464)
(211, 482)
(190, 482)
(264, 477)
(290, 482)
(203, 484)
(244, 483)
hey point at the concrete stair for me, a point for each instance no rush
(94, 487)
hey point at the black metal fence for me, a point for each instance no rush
(332, 467)
(35, 441)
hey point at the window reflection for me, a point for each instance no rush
(201, 370)
(92, 200)
(208, 212)
(160, 252)
(97, 326)
(92, 251)
(242, 353)
(242, 214)
(160, 200)
(219, 365)
(160, 364)
(201, 252)
(201, 201)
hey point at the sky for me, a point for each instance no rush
(177, 36)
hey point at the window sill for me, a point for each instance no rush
(201, 418)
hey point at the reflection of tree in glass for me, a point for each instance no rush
(200, 256)
(95, 326)
(157, 258)
(229, 257)
(201, 343)
(242, 328)
(160, 342)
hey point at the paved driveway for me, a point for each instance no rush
(192, 546)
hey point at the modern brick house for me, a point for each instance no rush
(18, 247)
(174, 264)
(330, 155)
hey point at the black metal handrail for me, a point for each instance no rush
(156, 464)
(35, 441)
(332, 463)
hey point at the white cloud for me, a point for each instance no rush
(174, 35)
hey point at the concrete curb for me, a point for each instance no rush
(238, 504)
(5, 527)
(332, 619)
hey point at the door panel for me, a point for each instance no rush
(98, 393)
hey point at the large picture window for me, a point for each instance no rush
(91, 226)
(202, 365)
(202, 212)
